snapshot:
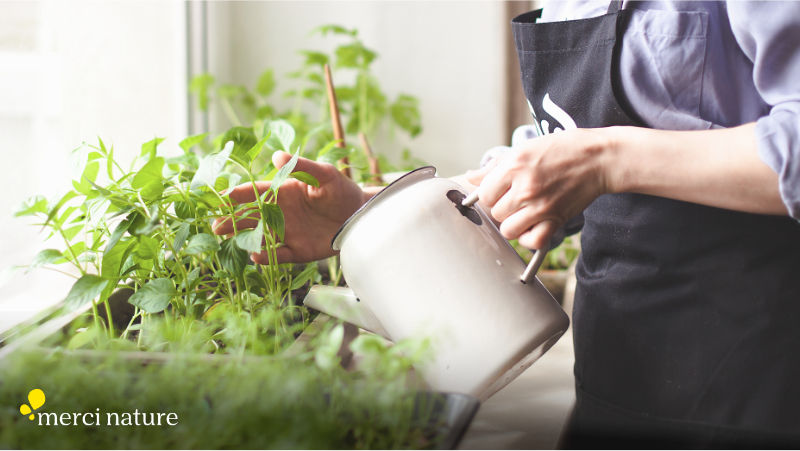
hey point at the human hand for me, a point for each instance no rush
(312, 215)
(548, 180)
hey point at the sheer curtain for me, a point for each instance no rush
(70, 72)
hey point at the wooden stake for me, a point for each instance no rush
(338, 132)
(374, 167)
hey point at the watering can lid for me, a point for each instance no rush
(407, 179)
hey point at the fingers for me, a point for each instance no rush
(539, 236)
(476, 176)
(494, 185)
(246, 219)
(518, 223)
(245, 192)
(283, 254)
(530, 228)
(511, 202)
(321, 171)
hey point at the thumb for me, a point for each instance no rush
(320, 171)
(476, 176)
(280, 158)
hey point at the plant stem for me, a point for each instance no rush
(110, 320)
(230, 112)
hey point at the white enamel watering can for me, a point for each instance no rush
(420, 264)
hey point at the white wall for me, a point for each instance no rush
(448, 54)
(71, 71)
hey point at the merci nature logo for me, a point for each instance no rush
(36, 399)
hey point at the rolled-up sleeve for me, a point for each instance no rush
(769, 34)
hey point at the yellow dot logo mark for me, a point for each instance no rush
(36, 399)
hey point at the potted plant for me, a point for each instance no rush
(164, 316)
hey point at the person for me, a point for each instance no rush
(672, 136)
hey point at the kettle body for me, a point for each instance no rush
(425, 266)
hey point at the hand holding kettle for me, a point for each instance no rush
(312, 215)
(535, 190)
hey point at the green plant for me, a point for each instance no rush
(363, 104)
(148, 228)
(305, 401)
(141, 235)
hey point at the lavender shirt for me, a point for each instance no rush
(691, 65)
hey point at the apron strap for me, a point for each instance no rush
(614, 6)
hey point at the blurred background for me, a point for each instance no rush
(73, 71)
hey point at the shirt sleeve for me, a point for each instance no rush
(767, 32)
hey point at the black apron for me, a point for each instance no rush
(686, 317)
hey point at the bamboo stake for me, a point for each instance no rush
(374, 167)
(338, 132)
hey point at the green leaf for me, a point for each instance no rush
(311, 133)
(250, 240)
(229, 91)
(154, 296)
(87, 288)
(149, 148)
(405, 113)
(281, 134)
(314, 58)
(333, 155)
(254, 151)
(221, 184)
(327, 353)
(142, 225)
(120, 230)
(335, 29)
(243, 140)
(201, 243)
(265, 111)
(354, 56)
(148, 248)
(109, 160)
(113, 259)
(83, 338)
(192, 141)
(32, 206)
(211, 166)
(71, 232)
(47, 256)
(200, 86)
(306, 178)
(305, 275)
(232, 258)
(283, 173)
(149, 179)
(183, 210)
(89, 175)
(55, 208)
(272, 216)
(180, 237)
(266, 83)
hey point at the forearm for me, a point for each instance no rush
(718, 168)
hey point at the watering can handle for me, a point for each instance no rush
(538, 256)
(533, 266)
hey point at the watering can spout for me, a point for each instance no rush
(342, 303)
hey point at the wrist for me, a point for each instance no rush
(614, 143)
(369, 192)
